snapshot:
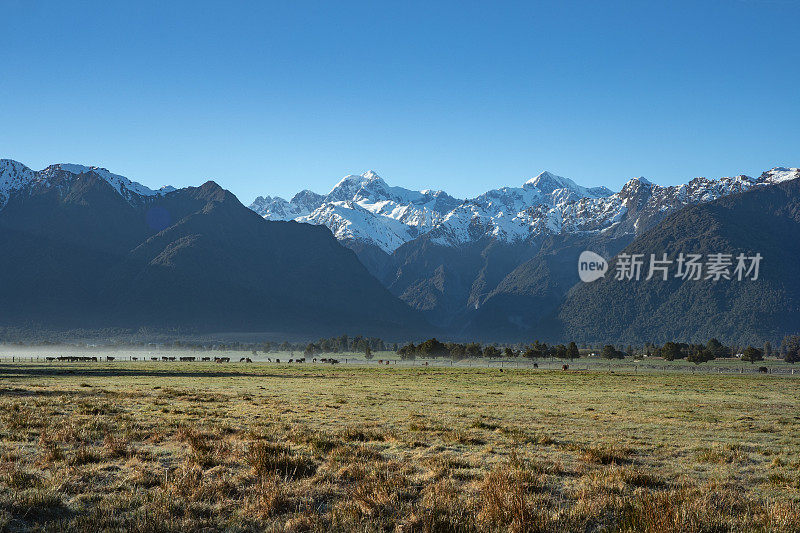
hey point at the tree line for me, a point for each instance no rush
(433, 348)
(789, 350)
(343, 343)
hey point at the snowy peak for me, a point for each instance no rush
(121, 184)
(15, 176)
(349, 185)
(547, 182)
(634, 185)
(780, 174)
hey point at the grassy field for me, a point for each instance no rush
(191, 446)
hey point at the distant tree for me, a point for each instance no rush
(537, 350)
(701, 356)
(473, 349)
(572, 351)
(717, 350)
(609, 352)
(790, 348)
(671, 351)
(767, 349)
(432, 348)
(408, 352)
(491, 351)
(457, 351)
(531, 352)
(510, 352)
(367, 352)
(560, 351)
(752, 354)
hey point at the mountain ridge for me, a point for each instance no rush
(497, 266)
(363, 208)
(81, 253)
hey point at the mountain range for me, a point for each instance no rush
(498, 265)
(764, 305)
(84, 247)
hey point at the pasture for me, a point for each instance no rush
(152, 446)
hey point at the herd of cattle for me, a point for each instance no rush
(185, 359)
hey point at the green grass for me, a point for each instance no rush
(177, 446)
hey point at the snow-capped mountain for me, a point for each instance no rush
(15, 176)
(365, 209)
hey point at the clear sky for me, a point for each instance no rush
(270, 98)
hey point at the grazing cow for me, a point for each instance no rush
(387, 362)
(277, 360)
(315, 360)
(154, 358)
(187, 359)
(134, 358)
(380, 361)
(426, 363)
(248, 360)
(535, 365)
(291, 360)
(94, 359)
(241, 360)
(763, 369)
(164, 358)
(206, 359)
(564, 367)
(269, 359)
(109, 358)
(50, 358)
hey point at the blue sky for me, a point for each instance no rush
(269, 98)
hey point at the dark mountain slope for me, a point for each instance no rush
(445, 282)
(80, 255)
(766, 221)
(225, 267)
(522, 305)
(56, 243)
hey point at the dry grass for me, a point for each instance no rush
(153, 447)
